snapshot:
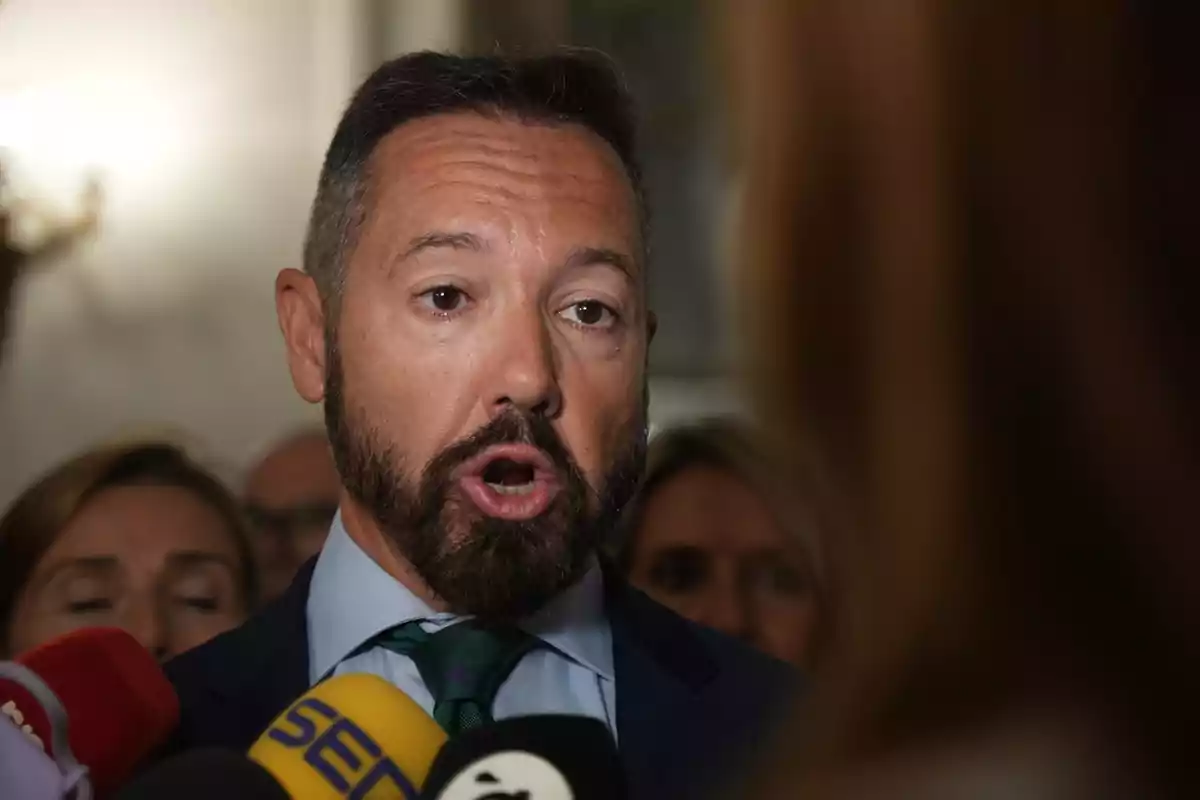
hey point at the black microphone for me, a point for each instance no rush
(545, 757)
(207, 774)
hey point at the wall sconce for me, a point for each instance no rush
(58, 234)
(32, 232)
(35, 229)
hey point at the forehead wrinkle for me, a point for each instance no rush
(530, 169)
(531, 197)
(536, 183)
(485, 192)
(504, 180)
(436, 147)
(455, 125)
(497, 165)
(502, 137)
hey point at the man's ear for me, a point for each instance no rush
(302, 321)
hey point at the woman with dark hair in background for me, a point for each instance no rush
(719, 536)
(971, 257)
(134, 536)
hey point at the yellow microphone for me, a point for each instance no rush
(352, 737)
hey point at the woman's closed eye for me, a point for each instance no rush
(202, 590)
(89, 605)
(206, 604)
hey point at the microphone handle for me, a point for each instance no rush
(60, 744)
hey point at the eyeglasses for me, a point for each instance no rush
(295, 521)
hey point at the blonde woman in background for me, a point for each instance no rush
(717, 535)
(971, 269)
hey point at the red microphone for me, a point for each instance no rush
(94, 697)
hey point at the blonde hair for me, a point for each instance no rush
(733, 446)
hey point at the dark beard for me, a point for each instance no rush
(495, 569)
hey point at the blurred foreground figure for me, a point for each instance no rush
(133, 536)
(717, 536)
(291, 497)
(971, 262)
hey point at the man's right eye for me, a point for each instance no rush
(444, 299)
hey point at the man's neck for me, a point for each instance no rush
(364, 531)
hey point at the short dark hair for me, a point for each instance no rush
(569, 86)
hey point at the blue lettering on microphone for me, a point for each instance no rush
(306, 726)
(329, 752)
(328, 742)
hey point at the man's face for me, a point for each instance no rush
(485, 384)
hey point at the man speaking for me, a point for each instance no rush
(472, 314)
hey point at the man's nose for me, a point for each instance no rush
(526, 368)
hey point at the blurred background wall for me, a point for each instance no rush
(205, 121)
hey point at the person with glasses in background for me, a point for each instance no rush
(291, 496)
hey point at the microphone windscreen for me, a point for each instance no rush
(28, 773)
(544, 757)
(208, 774)
(101, 688)
(353, 735)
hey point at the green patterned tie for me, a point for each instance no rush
(463, 666)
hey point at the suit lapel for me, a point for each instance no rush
(273, 670)
(660, 668)
(659, 664)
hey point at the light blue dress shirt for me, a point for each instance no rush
(352, 598)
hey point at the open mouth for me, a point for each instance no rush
(509, 477)
(510, 481)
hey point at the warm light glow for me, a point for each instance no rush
(53, 138)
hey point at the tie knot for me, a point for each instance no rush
(463, 666)
(468, 661)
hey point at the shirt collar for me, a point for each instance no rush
(351, 599)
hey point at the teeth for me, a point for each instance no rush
(520, 488)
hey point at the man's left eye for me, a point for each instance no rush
(590, 314)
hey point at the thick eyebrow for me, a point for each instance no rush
(437, 239)
(601, 256)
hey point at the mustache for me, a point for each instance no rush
(512, 427)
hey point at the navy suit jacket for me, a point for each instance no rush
(692, 704)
